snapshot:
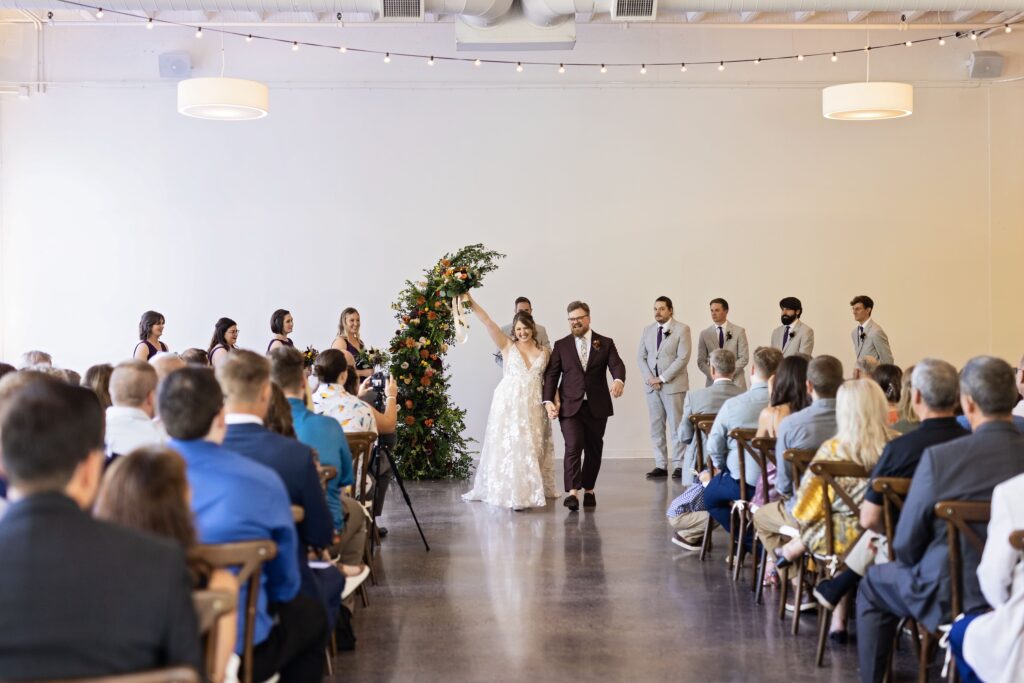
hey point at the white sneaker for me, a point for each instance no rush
(354, 582)
(686, 543)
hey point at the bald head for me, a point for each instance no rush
(132, 385)
(166, 363)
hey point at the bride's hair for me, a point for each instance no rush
(527, 320)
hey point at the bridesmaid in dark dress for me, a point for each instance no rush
(281, 324)
(348, 342)
(151, 328)
(225, 336)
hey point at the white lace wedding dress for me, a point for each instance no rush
(516, 467)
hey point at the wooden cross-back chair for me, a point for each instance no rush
(1017, 539)
(741, 517)
(799, 459)
(829, 471)
(700, 431)
(326, 473)
(361, 446)
(178, 674)
(894, 492)
(210, 606)
(764, 447)
(249, 557)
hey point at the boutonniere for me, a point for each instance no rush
(596, 344)
(668, 333)
(728, 336)
(863, 336)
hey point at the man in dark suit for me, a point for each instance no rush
(245, 379)
(917, 584)
(576, 392)
(79, 597)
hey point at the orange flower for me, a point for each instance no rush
(410, 343)
(420, 300)
(405, 319)
(425, 381)
(408, 405)
(445, 262)
(431, 315)
(424, 354)
(410, 420)
(433, 356)
(437, 304)
(428, 423)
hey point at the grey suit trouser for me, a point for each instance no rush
(665, 411)
(880, 606)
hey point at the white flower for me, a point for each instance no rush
(405, 366)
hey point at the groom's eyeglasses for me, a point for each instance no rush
(579, 319)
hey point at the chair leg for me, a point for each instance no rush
(705, 545)
(732, 541)
(824, 616)
(924, 656)
(364, 595)
(762, 570)
(783, 592)
(799, 593)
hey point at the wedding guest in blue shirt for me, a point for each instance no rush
(236, 499)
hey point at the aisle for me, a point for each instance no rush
(548, 595)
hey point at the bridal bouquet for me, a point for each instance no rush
(309, 357)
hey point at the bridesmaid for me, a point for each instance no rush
(151, 328)
(225, 336)
(281, 324)
(348, 342)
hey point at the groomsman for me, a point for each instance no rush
(663, 356)
(793, 336)
(869, 339)
(523, 305)
(723, 335)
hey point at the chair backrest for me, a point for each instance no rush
(178, 674)
(894, 492)
(326, 474)
(798, 459)
(248, 557)
(360, 443)
(764, 452)
(211, 606)
(959, 515)
(702, 423)
(1017, 539)
(828, 471)
(743, 436)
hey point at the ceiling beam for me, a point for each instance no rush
(747, 17)
(801, 17)
(965, 16)
(695, 17)
(913, 15)
(857, 17)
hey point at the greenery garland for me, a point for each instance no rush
(431, 444)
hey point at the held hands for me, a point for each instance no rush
(654, 383)
(552, 411)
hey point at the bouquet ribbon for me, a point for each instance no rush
(461, 327)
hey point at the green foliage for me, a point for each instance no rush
(431, 444)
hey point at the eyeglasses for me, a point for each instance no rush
(579, 319)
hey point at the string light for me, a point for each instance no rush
(909, 43)
(799, 58)
(476, 62)
(942, 41)
(295, 46)
(199, 32)
(1008, 29)
(682, 67)
(248, 38)
(561, 68)
(387, 58)
(974, 36)
(604, 69)
(149, 24)
(99, 13)
(519, 67)
(721, 66)
(643, 69)
(757, 61)
(430, 62)
(342, 49)
(835, 57)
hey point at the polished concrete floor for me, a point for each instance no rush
(549, 595)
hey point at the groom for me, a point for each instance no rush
(576, 372)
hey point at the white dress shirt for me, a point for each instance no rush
(130, 428)
(242, 419)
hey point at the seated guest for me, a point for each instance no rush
(788, 392)
(279, 415)
(738, 412)
(990, 646)
(237, 499)
(151, 328)
(935, 393)
(97, 378)
(865, 367)
(860, 437)
(130, 422)
(353, 414)
(281, 324)
(33, 359)
(890, 378)
(245, 378)
(906, 418)
(72, 377)
(1019, 410)
(194, 356)
(804, 430)
(6, 369)
(916, 585)
(149, 492)
(165, 364)
(79, 598)
(708, 400)
(225, 337)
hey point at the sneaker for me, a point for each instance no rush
(677, 473)
(805, 606)
(686, 543)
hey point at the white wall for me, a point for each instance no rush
(113, 204)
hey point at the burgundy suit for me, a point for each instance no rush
(583, 421)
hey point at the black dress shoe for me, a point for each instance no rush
(677, 473)
(589, 500)
(657, 473)
(571, 502)
(382, 531)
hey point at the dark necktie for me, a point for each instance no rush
(721, 338)
(785, 337)
(860, 335)
(661, 335)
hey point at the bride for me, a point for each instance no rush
(516, 467)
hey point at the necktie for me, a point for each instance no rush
(860, 335)
(583, 352)
(661, 333)
(721, 338)
(785, 337)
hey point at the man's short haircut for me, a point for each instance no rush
(523, 300)
(242, 375)
(6, 369)
(286, 368)
(578, 306)
(864, 299)
(195, 356)
(166, 363)
(131, 382)
(188, 400)
(30, 359)
(938, 383)
(825, 373)
(721, 301)
(47, 428)
(991, 383)
(867, 365)
(793, 304)
(766, 360)
(723, 361)
(665, 300)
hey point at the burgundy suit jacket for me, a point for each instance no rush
(567, 376)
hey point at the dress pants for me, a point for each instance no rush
(719, 494)
(768, 520)
(330, 582)
(665, 410)
(295, 646)
(584, 443)
(880, 606)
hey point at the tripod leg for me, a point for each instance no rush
(405, 494)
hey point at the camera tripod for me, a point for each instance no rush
(375, 469)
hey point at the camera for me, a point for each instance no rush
(377, 382)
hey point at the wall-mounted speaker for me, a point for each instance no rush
(175, 65)
(985, 64)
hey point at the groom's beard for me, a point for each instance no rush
(580, 332)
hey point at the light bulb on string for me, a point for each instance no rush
(99, 13)
(643, 69)
(519, 67)
(835, 57)
(476, 62)
(295, 46)
(974, 35)
(342, 49)
(757, 61)
(1008, 29)
(682, 67)
(909, 43)
(248, 38)
(149, 24)
(430, 62)
(799, 58)
(721, 66)
(942, 41)
(561, 68)
(604, 69)
(199, 32)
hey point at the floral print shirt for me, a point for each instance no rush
(354, 414)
